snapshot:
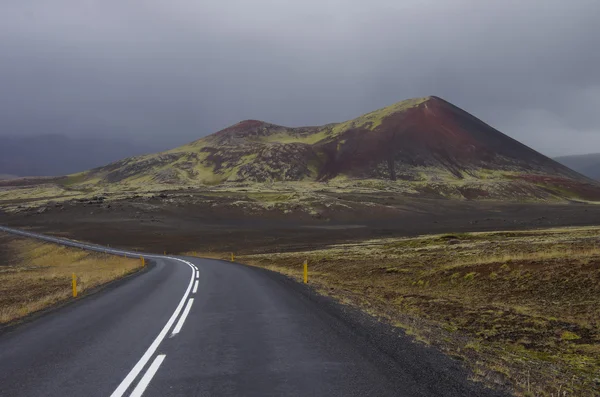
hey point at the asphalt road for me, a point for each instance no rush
(199, 327)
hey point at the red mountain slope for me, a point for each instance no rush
(436, 134)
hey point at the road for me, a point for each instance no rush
(200, 327)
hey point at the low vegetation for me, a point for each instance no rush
(315, 198)
(522, 309)
(35, 275)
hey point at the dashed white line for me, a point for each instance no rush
(195, 287)
(139, 366)
(145, 381)
(179, 325)
(122, 388)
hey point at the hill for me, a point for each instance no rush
(586, 164)
(403, 141)
(423, 147)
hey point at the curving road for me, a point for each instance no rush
(199, 327)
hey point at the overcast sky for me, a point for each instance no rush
(168, 72)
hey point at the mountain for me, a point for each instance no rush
(586, 164)
(423, 147)
(409, 140)
(55, 154)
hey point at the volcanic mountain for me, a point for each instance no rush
(425, 142)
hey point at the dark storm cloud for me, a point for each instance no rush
(173, 71)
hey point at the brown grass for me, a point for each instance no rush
(35, 275)
(522, 309)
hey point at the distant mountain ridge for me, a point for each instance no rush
(55, 154)
(586, 164)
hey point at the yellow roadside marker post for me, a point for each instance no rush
(143, 261)
(232, 257)
(74, 286)
(305, 272)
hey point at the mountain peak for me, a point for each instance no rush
(422, 139)
(244, 126)
(252, 128)
(435, 98)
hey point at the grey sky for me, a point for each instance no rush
(173, 71)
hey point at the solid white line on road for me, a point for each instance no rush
(139, 366)
(145, 381)
(195, 287)
(183, 317)
(122, 388)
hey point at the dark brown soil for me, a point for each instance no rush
(158, 224)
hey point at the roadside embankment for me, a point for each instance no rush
(520, 308)
(35, 275)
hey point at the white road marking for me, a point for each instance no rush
(135, 371)
(145, 381)
(195, 287)
(179, 325)
(122, 388)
